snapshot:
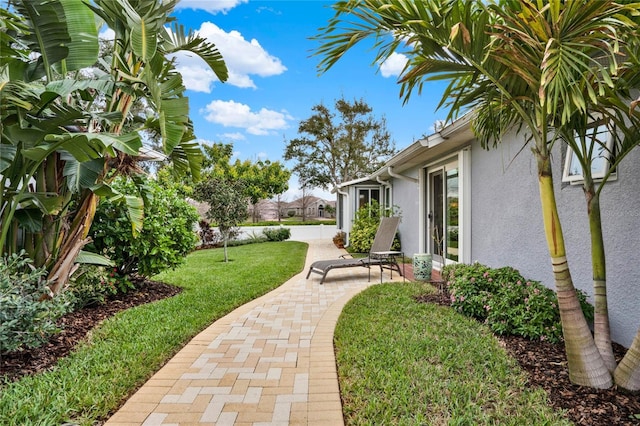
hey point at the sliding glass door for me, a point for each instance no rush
(443, 218)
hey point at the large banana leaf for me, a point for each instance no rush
(7, 154)
(81, 175)
(46, 202)
(83, 48)
(93, 259)
(176, 40)
(135, 205)
(48, 35)
(187, 157)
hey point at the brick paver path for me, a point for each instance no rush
(269, 362)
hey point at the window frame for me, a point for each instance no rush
(597, 175)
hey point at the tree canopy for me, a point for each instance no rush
(339, 145)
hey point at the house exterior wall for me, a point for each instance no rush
(405, 197)
(507, 227)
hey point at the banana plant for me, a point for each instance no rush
(67, 133)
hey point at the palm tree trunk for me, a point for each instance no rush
(627, 375)
(601, 327)
(586, 366)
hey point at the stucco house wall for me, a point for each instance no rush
(405, 198)
(507, 227)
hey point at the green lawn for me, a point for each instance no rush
(127, 349)
(402, 362)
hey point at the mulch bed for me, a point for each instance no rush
(546, 367)
(75, 326)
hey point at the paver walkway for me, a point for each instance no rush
(269, 362)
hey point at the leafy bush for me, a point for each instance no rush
(507, 302)
(167, 235)
(364, 229)
(25, 320)
(208, 235)
(277, 234)
(92, 285)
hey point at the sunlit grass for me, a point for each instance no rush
(127, 349)
(401, 362)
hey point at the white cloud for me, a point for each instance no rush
(393, 65)
(196, 75)
(107, 34)
(212, 6)
(242, 57)
(262, 155)
(235, 114)
(233, 136)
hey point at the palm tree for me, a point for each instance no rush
(66, 135)
(533, 67)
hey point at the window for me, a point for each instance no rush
(387, 200)
(366, 195)
(601, 156)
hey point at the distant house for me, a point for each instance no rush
(265, 210)
(463, 203)
(313, 207)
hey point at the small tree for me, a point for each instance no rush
(339, 146)
(227, 204)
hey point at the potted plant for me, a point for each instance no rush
(339, 239)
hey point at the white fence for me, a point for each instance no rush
(298, 232)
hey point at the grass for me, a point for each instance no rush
(127, 349)
(405, 363)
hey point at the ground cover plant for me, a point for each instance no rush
(402, 362)
(124, 351)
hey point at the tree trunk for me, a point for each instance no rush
(627, 375)
(586, 366)
(601, 328)
(74, 241)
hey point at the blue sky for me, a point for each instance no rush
(274, 82)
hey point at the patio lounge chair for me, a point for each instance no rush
(380, 253)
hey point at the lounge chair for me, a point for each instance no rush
(380, 253)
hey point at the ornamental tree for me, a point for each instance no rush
(227, 204)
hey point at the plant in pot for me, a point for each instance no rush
(339, 239)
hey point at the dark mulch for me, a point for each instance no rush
(546, 367)
(75, 327)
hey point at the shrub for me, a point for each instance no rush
(92, 285)
(25, 319)
(167, 235)
(507, 302)
(364, 229)
(277, 234)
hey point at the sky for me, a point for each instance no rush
(274, 82)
